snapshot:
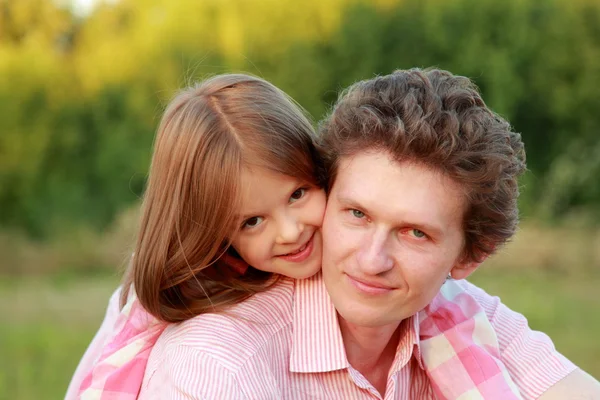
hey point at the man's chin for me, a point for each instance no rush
(364, 318)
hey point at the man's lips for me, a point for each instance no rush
(369, 287)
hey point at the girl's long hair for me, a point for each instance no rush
(208, 134)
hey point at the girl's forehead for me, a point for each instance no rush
(263, 189)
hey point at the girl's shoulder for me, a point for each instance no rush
(244, 325)
(209, 355)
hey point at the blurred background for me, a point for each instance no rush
(83, 84)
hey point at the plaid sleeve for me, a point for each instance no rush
(532, 361)
(95, 348)
(460, 351)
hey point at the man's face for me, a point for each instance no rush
(392, 232)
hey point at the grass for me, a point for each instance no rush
(566, 307)
(45, 328)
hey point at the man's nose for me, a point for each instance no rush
(289, 229)
(373, 255)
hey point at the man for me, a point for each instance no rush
(422, 188)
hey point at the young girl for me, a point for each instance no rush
(233, 199)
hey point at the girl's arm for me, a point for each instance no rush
(93, 351)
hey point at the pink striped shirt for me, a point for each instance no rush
(286, 344)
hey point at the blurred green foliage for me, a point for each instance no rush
(80, 97)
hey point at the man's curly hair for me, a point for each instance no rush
(437, 119)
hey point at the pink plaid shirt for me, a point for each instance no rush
(286, 344)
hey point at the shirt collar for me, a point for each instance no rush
(409, 344)
(317, 344)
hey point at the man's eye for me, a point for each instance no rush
(252, 222)
(297, 195)
(357, 213)
(417, 233)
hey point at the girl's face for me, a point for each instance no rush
(280, 224)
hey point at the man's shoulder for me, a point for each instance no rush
(534, 363)
(462, 289)
(241, 330)
(460, 300)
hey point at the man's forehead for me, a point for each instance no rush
(375, 180)
(369, 167)
(348, 159)
(359, 164)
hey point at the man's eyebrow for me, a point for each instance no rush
(429, 229)
(348, 201)
(432, 230)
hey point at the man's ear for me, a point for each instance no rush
(468, 265)
(463, 269)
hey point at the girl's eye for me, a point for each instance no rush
(357, 213)
(252, 222)
(297, 195)
(417, 233)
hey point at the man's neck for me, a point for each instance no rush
(371, 350)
